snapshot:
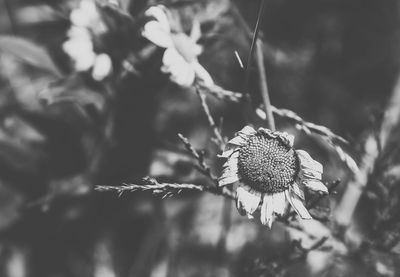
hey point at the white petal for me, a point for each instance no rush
(297, 204)
(226, 180)
(279, 200)
(315, 185)
(102, 67)
(230, 172)
(155, 33)
(85, 14)
(310, 174)
(309, 163)
(286, 138)
(77, 47)
(76, 32)
(298, 190)
(180, 71)
(237, 140)
(267, 210)
(228, 151)
(195, 33)
(247, 200)
(231, 165)
(203, 74)
(248, 131)
(159, 13)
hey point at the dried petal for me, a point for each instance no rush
(246, 200)
(315, 185)
(297, 204)
(267, 210)
(298, 190)
(279, 200)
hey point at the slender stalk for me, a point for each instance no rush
(262, 75)
(164, 189)
(252, 47)
(214, 127)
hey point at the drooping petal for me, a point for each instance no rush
(286, 138)
(155, 33)
(297, 204)
(248, 131)
(298, 190)
(238, 141)
(229, 150)
(267, 210)
(310, 174)
(246, 200)
(279, 200)
(227, 180)
(307, 162)
(267, 132)
(231, 165)
(315, 185)
(230, 171)
(309, 168)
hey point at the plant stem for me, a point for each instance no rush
(252, 47)
(262, 75)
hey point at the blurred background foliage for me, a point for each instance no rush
(334, 62)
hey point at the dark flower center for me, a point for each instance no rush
(267, 164)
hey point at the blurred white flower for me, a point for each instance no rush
(79, 46)
(180, 57)
(102, 67)
(85, 15)
(270, 172)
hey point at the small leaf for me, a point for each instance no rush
(29, 52)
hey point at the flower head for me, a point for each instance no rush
(86, 22)
(181, 51)
(270, 172)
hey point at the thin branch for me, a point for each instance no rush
(262, 76)
(307, 127)
(164, 189)
(214, 127)
(199, 156)
(219, 92)
(253, 45)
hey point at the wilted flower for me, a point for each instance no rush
(270, 172)
(181, 51)
(87, 21)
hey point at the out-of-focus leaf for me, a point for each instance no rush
(72, 89)
(31, 53)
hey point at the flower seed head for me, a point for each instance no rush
(267, 164)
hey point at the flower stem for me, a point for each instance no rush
(262, 75)
(253, 46)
